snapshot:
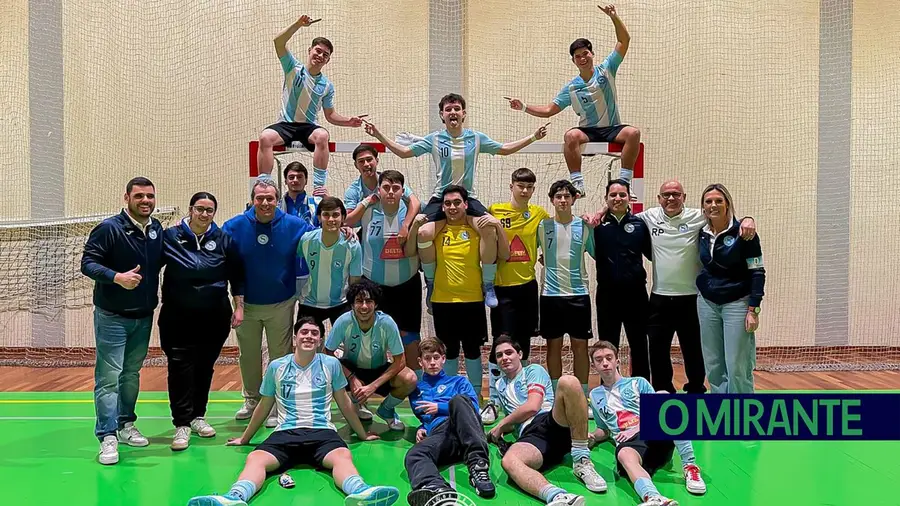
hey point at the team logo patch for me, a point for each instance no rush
(152, 234)
(338, 264)
(441, 389)
(629, 228)
(729, 241)
(319, 380)
(211, 245)
(262, 239)
(683, 227)
(464, 236)
(527, 214)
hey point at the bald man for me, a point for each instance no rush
(674, 236)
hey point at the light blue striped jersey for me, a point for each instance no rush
(357, 190)
(454, 159)
(303, 394)
(594, 101)
(618, 408)
(563, 246)
(514, 392)
(368, 350)
(384, 259)
(304, 207)
(330, 269)
(303, 95)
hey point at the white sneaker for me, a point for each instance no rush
(567, 500)
(202, 428)
(489, 414)
(246, 410)
(272, 420)
(584, 470)
(693, 482)
(131, 436)
(215, 500)
(109, 450)
(182, 438)
(363, 413)
(658, 500)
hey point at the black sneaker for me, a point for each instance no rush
(480, 479)
(422, 496)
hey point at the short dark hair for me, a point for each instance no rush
(451, 98)
(621, 182)
(562, 184)
(603, 345)
(204, 195)
(330, 204)
(304, 320)
(394, 176)
(362, 148)
(364, 286)
(138, 181)
(505, 339)
(265, 183)
(295, 167)
(455, 188)
(323, 41)
(432, 345)
(578, 44)
(523, 175)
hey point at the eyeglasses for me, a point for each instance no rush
(671, 195)
(204, 210)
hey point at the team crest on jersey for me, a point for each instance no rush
(527, 214)
(441, 389)
(211, 245)
(729, 241)
(338, 264)
(464, 236)
(152, 234)
(683, 227)
(262, 239)
(629, 227)
(319, 380)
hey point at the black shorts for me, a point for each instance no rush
(654, 454)
(367, 376)
(566, 315)
(602, 134)
(516, 314)
(291, 132)
(403, 303)
(456, 322)
(321, 314)
(550, 438)
(435, 212)
(295, 447)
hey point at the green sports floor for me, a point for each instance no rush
(48, 455)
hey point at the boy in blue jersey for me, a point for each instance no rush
(303, 385)
(365, 159)
(368, 336)
(616, 404)
(389, 260)
(266, 238)
(454, 152)
(305, 91)
(296, 201)
(592, 95)
(565, 299)
(333, 259)
(451, 432)
(548, 426)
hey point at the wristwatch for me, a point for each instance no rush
(755, 310)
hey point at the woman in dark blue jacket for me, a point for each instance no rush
(196, 316)
(731, 284)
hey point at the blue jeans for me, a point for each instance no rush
(729, 351)
(121, 348)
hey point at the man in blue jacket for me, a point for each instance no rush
(266, 239)
(451, 430)
(123, 255)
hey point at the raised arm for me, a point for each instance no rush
(622, 35)
(282, 38)
(396, 148)
(540, 111)
(513, 147)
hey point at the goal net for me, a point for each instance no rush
(792, 107)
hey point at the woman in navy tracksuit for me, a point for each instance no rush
(731, 284)
(196, 316)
